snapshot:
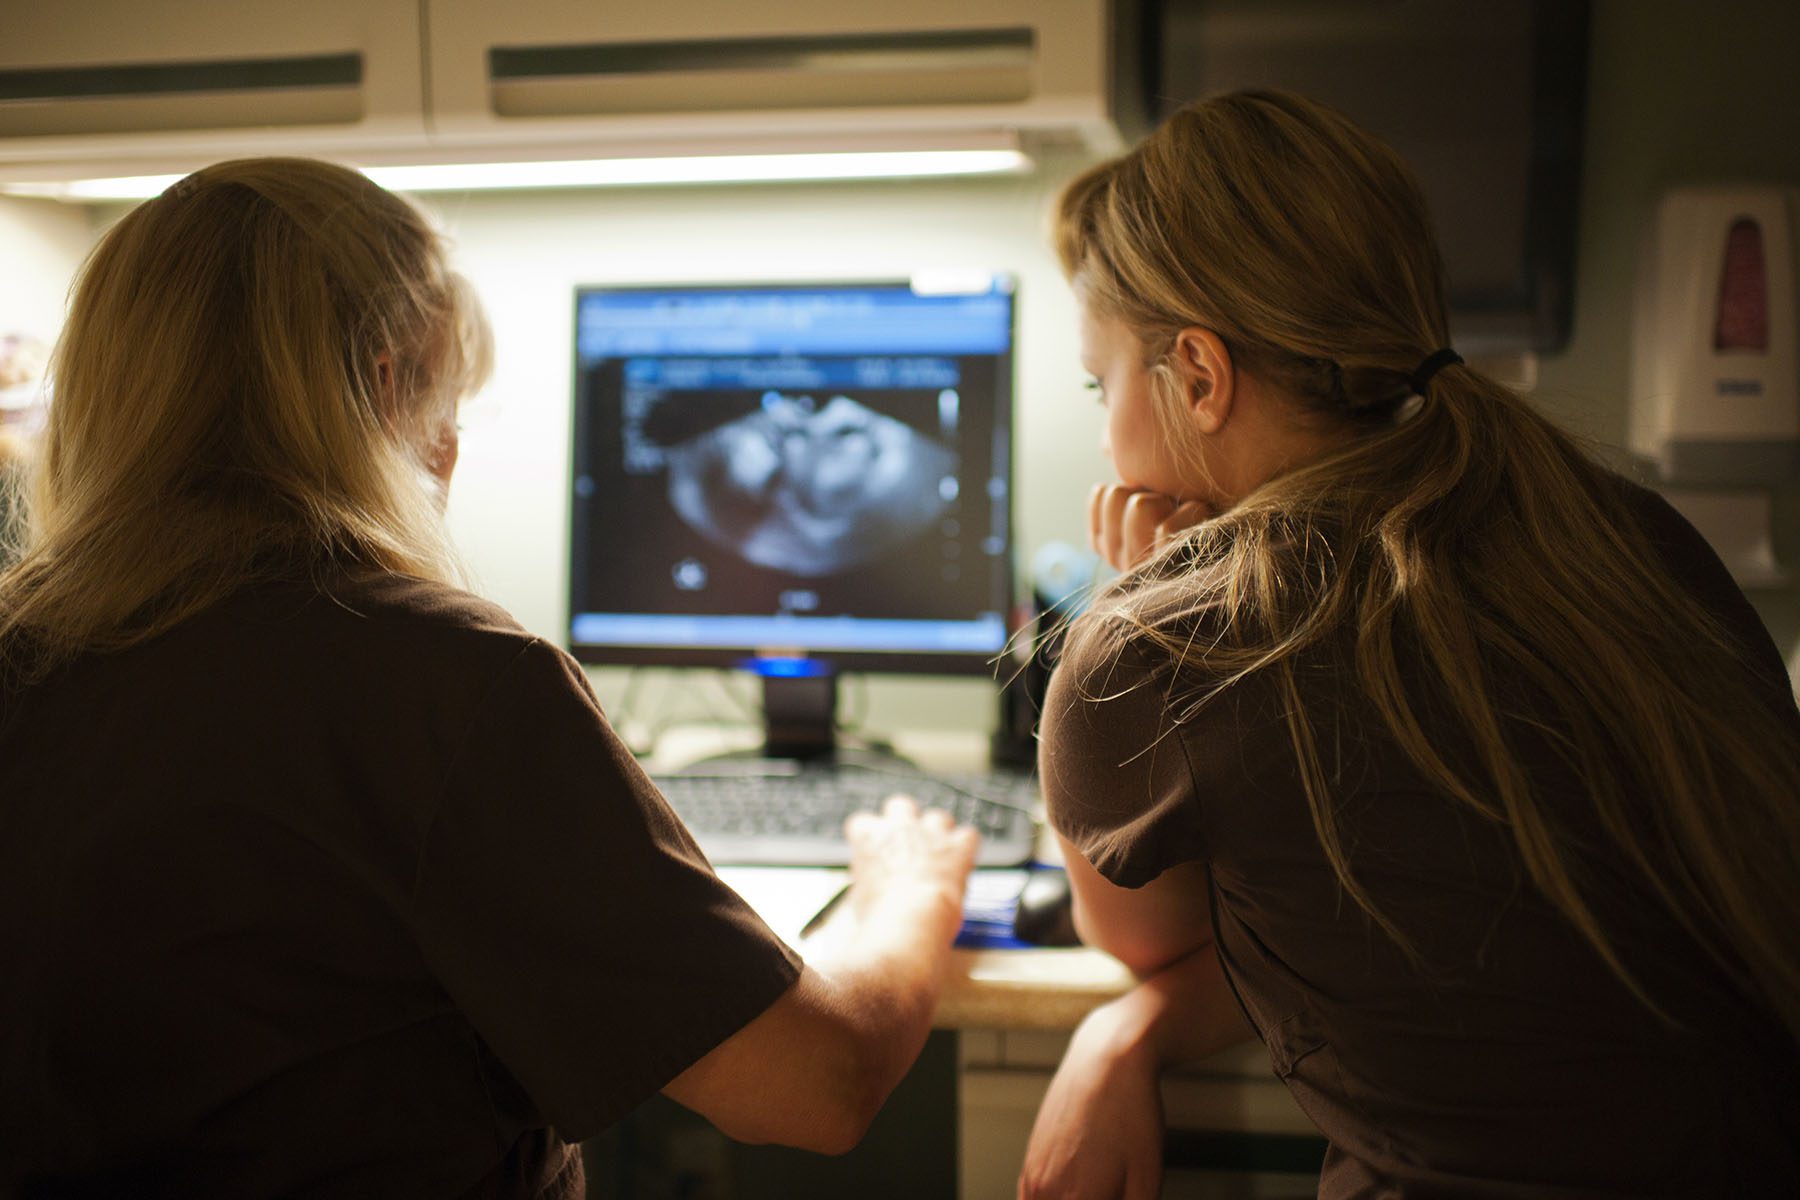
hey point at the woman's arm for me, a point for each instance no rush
(1146, 928)
(1099, 1131)
(1183, 1008)
(813, 1070)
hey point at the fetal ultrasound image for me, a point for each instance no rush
(808, 487)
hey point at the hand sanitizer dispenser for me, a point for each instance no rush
(1715, 380)
(1715, 374)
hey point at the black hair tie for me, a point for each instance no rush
(1431, 366)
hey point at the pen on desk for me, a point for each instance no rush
(818, 919)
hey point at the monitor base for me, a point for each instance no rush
(800, 716)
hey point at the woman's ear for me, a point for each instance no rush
(441, 455)
(1204, 365)
(387, 380)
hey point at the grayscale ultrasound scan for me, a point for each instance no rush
(811, 488)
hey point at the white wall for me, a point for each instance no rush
(526, 252)
(41, 244)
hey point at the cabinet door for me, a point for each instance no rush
(179, 80)
(614, 73)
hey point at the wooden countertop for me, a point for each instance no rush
(1037, 989)
(1043, 990)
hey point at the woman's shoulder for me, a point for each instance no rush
(387, 620)
(1107, 658)
(424, 603)
(1691, 561)
(1684, 550)
(1141, 628)
(1137, 664)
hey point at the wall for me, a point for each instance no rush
(1678, 92)
(41, 242)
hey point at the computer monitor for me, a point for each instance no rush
(796, 479)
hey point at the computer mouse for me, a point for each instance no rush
(1046, 912)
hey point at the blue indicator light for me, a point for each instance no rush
(787, 668)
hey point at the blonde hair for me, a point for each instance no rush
(1470, 552)
(253, 371)
(14, 459)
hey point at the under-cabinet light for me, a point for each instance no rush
(602, 172)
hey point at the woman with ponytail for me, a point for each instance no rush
(1411, 740)
(318, 875)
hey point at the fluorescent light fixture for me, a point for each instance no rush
(605, 172)
(122, 187)
(724, 168)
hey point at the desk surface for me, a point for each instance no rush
(985, 989)
(1027, 989)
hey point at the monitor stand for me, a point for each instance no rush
(800, 716)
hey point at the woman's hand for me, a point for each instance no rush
(1127, 525)
(835, 1044)
(903, 849)
(1099, 1132)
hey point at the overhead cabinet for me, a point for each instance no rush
(157, 79)
(624, 72)
(162, 84)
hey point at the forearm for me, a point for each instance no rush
(1182, 1014)
(1099, 1131)
(885, 971)
(814, 1069)
(816, 1066)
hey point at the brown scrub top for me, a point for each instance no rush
(1509, 1062)
(342, 892)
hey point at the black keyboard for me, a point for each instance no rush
(779, 814)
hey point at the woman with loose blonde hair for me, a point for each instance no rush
(319, 876)
(1450, 762)
(327, 435)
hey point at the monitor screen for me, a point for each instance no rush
(778, 472)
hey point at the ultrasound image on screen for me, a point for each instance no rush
(803, 459)
(810, 486)
(702, 495)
